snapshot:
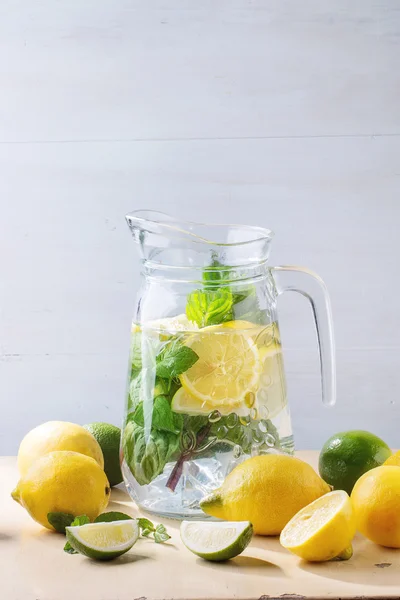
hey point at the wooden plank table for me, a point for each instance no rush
(34, 566)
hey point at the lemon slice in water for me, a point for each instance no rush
(227, 369)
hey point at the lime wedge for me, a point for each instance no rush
(103, 541)
(216, 541)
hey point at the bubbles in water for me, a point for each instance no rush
(264, 412)
(263, 426)
(258, 436)
(222, 431)
(188, 441)
(269, 440)
(249, 399)
(237, 451)
(231, 420)
(215, 416)
(245, 421)
(262, 396)
(254, 413)
(266, 380)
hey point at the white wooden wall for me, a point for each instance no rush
(278, 113)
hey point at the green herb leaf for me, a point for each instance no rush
(81, 520)
(145, 524)
(60, 520)
(161, 416)
(174, 360)
(147, 532)
(69, 549)
(147, 455)
(210, 307)
(161, 535)
(109, 517)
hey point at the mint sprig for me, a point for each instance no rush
(60, 520)
(159, 533)
(174, 359)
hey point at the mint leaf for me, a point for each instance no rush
(82, 520)
(111, 516)
(210, 307)
(162, 417)
(161, 535)
(147, 532)
(145, 524)
(147, 455)
(174, 360)
(69, 549)
(60, 520)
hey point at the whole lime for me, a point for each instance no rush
(348, 455)
(109, 438)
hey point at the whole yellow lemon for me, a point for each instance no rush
(66, 482)
(266, 490)
(393, 460)
(376, 502)
(53, 436)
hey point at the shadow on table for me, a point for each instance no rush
(366, 563)
(243, 563)
(270, 543)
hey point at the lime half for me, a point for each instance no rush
(103, 541)
(216, 541)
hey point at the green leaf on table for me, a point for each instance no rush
(160, 538)
(60, 520)
(174, 359)
(111, 516)
(145, 524)
(69, 549)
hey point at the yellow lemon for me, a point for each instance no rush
(57, 435)
(66, 482)
(266, 490)
(227, 369)
(322, 530)
(376, 502)
(393, 460)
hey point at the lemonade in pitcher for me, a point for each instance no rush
(206, 386)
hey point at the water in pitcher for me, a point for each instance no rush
(200, 400)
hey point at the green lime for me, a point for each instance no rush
(348, 455)
(103, 541)
(216, 541)
(109, 439)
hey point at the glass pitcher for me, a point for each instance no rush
(206, 385)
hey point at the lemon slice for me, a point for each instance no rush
(103, 541)
(323, 530)
(262, 335)
(271, 392)
(216, 541)
(182, 402)
(227, 369)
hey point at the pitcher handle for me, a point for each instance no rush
(310, 285)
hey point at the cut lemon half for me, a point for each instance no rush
(227, 369)
(216, 541)
(103, 541)
(323, 530)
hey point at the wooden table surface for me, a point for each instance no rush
(34, 566)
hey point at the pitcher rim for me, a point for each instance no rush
(138, 216)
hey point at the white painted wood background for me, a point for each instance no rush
(279, 113)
